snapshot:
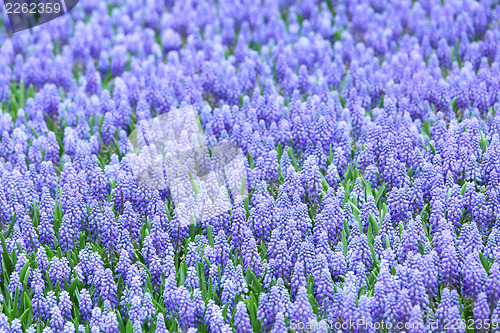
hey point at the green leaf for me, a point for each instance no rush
(432, 148)
(454, 104)
(374, 224)
(483, 143)
(427, 128)
(27, 301)
(224, 310)
(24, 317)
(210, 236)
(16, 303)
(256, 281)
(380, 191)
(130, 327)
(462, 189)
(410, 171)
(486, 263)
(344, 242)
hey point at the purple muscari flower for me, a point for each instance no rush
(199, 306)
(38, 303)
(279, 323)
(46, 229)
(99, 185)
(15, 326)
(350, 307)
(59, 271)
(368, 207)
(391, 308)
(109, 323)
(192, 279)
(107, 127)
(283, 263)
(67, 234)
(29, 234)
(160, 238)
(482, 98)
(88, 262)
(250, 255)
(308, 255)
(171, 295)
(160, 324)
(364, 308)
(448, 261)
(221, 249)
(186, 309)
(331, 214)
(65, 305)
(192, 255)
(56, 320)
(50, 303)
(148, 308)
(449, 299)
(492, 286)
(93, 80)
(269, 276)
(96, 319)
(474, 275)
(412, 236)
(404, 305)
(238, 227)
(271, 303)
(170, 40)
(323, 287)
(85, 306)
(470, 240)
(124, 242)
(298, 277)
(482, 308)
(119, 60)
(69, 327)
(135, 313)
(178, 232)
(143, 109)
(148, 250)
(397, 203)
(156, 269)
(124, 263)
(416, 321)
(241, 319)
(359, 251)
(417, 292)
(495, 316)
(260, 219)
(4, 322)
(108, 230)
(295, 245)
(105, 285)
(302, 311)
(383, 286)
(311, 178)
(124, 111)
(229, 292)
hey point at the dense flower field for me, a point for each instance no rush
(372, 159)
